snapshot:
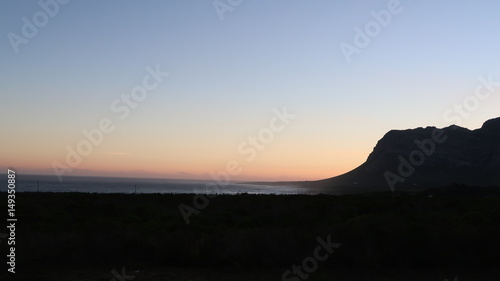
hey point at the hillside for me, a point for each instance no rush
(416, 159)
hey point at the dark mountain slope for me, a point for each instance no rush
(419, 158)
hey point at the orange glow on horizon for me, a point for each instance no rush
(291, 156)
(273, 169)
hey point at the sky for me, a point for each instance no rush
(235, 89)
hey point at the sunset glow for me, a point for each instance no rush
(175, 90)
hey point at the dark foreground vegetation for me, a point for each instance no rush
(74, 236)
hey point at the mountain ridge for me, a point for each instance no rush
(416, 159)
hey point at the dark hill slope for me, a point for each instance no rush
(424, 157)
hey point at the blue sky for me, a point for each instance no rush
(227, 76)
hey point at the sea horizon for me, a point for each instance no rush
(102, 184)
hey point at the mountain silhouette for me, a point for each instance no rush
(420, 158)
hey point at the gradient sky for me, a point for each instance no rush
(227, 76)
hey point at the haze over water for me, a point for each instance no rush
(34, 183)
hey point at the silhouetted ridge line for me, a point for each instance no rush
(415, 159)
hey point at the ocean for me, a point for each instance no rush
(35, 183)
